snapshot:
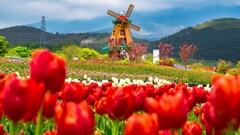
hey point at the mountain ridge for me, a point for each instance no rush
(213, 43)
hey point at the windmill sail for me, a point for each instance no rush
(129, 11)
(135, 27)
(110, 12)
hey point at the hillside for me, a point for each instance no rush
(216, 39)
(30, 36)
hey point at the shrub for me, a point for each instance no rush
(70, 51)
(233, 71)
(238, 64)
(88, 54)
(19, 51)
(197, 66)
(167, 62)
(223, 66)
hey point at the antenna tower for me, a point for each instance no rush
(43, 31)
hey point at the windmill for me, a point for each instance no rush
(121, 30)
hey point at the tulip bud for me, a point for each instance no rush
(22, 98)
(49, 69)
(74, 119)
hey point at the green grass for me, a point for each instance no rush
(120, 70)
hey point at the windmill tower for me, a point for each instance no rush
(121, 30)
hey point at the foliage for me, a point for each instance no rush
(220, 24)
(123, 61)
(99, 68)
(234, 71)
(197, 66)
(3, 45)
(19, 51)
(223, 66)
(238, 64)
(165, 51)
(136, 51)
(70, 51)
(187, 51)
(167, 62)
(87, 54)
(212, 44)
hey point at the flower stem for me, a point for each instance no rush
(13, 128)
(38, 128)
(115, 127)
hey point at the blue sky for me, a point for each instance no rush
(19, 12)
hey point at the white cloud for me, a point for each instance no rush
(28, 11)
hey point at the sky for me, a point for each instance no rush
(20, 12)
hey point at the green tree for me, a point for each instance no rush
(19, 51)
(223, 66)
(70, 51)
(87, 54)
(3, 45)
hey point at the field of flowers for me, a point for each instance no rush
(44, 101)
(99, 69)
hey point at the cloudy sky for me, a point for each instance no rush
(18, 12)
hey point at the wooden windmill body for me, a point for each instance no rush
(121, 29)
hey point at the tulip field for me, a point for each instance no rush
(46, 102)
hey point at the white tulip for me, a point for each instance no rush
(85, 76)
(150, 79)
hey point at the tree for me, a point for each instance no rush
(3, 45)
(165, 52)
(187, 51)
(87, 54)
(222, 66)
(136, 51)
(19, 51)
(70, 51)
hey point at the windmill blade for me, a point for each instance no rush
(129, 11)
(135, 27)
(110, 12)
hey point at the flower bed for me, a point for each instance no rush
(47, 103)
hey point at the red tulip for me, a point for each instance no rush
(73, 92)
(21, 132)
(22, 98)
(162, 89)
(74, 119)
(200, 94)
(105, 85)
(49, 104)
(50, 133)
(48, 68)
(172, 111)
(225, 98)
(209, 129)
(144, 124)
(151, 91)
(167, 132)
(192, 128)
(120, 103)
(2, 76)
(1, 130)
(212, 118)
(100, 106)
(197, 111)
(94, 95)
(151, 105)
(140, 97)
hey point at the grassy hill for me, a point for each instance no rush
(30, 37)
(216, 39)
